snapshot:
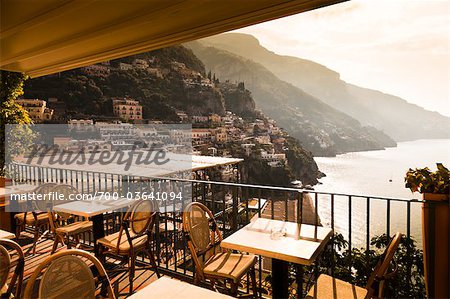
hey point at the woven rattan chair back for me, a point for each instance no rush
(67, 274)
(134, 237)
(6, 264)
(137, 221)
(56, 218)
(201, 232)
(141, 216)
(43, 190)
(376, 282)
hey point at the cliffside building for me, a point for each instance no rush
(200, 136)
(140, 64)
(127, 108)
(200, 119)
(37, 109)
(125, 66)
(97, 70)
(81, 124)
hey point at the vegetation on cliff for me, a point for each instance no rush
(161, 94)
(12, 113)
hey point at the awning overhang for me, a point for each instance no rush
(49, 36)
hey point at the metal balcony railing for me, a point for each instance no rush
(361, 224)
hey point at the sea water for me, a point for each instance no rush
(376, 174)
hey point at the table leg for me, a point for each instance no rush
(98, 231)
(299, 279)
(280, 279)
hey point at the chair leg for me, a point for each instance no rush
(132, 267)
(253, 278)
(151, 256)
(77, 241)
(212, 284)
(19, 229)
(68, 242)
(55, 244)
(196, 279)
(35, 240)
(38, 230)
(234, 288)
(101, 254)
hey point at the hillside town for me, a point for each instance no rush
(129, 98)
(211, 134)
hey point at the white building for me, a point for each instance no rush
(81, 124)
(97, 70)
(273, 159)
(125, 66)
(200, 119)
(140, 64)
(116, 131)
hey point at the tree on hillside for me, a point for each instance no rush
(12, 113)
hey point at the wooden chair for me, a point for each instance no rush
(210, 261)
(134, 237)
(327, 287)
(37, 218)
(62, 230)
(67, 274)
(6, 264)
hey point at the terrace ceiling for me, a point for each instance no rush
(49, 36)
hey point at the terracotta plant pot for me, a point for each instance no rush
(436, 249)
(4, 182)
(435, 197)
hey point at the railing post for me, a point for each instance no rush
(436, 251)
(125, 185)
(408, 237)
(235, 209)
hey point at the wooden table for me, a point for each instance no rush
(94, 209)
(166, 288)
(303, 249)
(6, 235)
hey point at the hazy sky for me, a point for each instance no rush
(400, 47)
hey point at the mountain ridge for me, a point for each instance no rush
(320, 128)
(370, 107)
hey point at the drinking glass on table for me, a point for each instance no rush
(276, 233)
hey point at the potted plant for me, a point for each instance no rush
(435, 226)
(433, 185)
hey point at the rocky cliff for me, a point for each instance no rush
(238, 99)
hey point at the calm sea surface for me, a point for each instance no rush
(376, 174)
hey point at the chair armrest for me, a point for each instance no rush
(389, 275)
